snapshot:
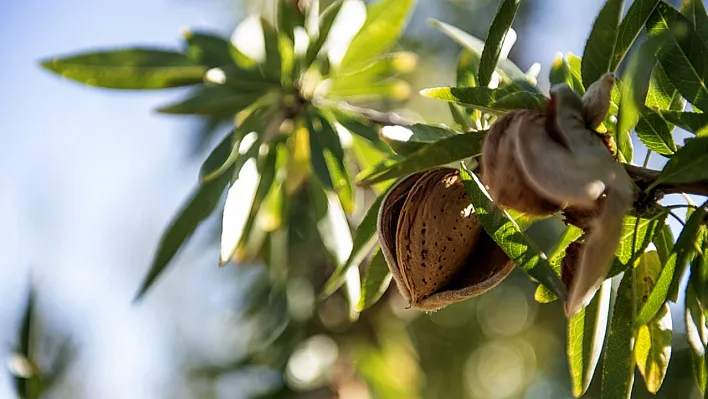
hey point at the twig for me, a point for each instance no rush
(643, 177)
(376, 117)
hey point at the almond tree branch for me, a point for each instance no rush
(643, 177)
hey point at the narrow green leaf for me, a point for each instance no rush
(695, 12)
(693, 122)
(505, 67)
(336, 236)
(575, 64)
(326, 21)
(699, 268)
(132, 68)
(441, 152)
(521, 100)
(601, 45)
(673, 268)
(555, 259)
(652, 349)
(689, 164)
(695, 319)
(509, 236)
(377, 278)
(467, 65)
(683, 56)
(586, 334)
(405, 140)
(363, 241)
(653, 131)
(200, 205)
(633, 93)
(207, 48)
(664, 243)
(662, 94)
(618, 370)
(212, 100)
(289, 16)
(560, 71)
(495, 38)
(632, 24)
(327, 157)
(493, 101)
(226, 153)
(397, 89)
(359, 126)
(238, 219)
(272, 66)
(637, 233)
(385, 21)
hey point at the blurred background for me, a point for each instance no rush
(91, 177)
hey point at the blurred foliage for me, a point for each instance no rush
(310, 156)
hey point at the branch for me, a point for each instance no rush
(643, 177)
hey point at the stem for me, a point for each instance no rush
(646, 159)
(642, 176)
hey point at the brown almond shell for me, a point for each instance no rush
(435, 247)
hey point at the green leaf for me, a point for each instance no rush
(509, 236)
(664, 243)
(695, 12)
(693, 122)
(385, 21)
(359, 126)
(327, 157)
(132, 68)
(289, 16)
(653, 131)
(507, 69)
(441, 152)
(652, 348)
(560, 71)
(207, 49)
(683, 54)
(406, 140)
(377, 278)
(694, 316)
(689, 164)
(586, 334)
(238, 220)
(662, 94)
(495, 38)
(575, 64)
(226, 153)
(673, 268)
(632, 24)
(699, 268)
(600, 46)
(212, 100)
(467, 65)
(326, 21)
(618, 370)
(199, 206)
(637, 233)
(271, 39)
(397, 89)
(493, 101)
(633, 92)
(555, 258)
(336, 237)
(363, 241)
